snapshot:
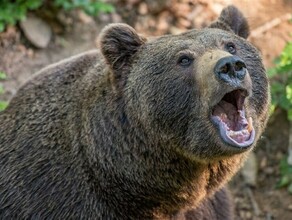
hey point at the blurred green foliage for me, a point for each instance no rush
(90, 7)
(2, 75)
(3, 104)
(13, 11)
(281, 89)
(281, 81)
(286, 175)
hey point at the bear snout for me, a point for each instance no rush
(231, 70)
(219, 72)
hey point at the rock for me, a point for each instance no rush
(143, 8)
(264, 162)
(163, 21)
(36, 31)
(249, 170)
(184, 23)
(84, 18)
(116, 18)
(157, 6)
(175, 30)
(269, 170)
(216, 8)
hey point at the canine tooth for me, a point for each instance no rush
(223, 116)
(249, 126)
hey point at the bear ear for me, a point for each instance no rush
(231, 19)
(118, 43)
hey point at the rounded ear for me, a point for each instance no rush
(231, 19)
(118, 43)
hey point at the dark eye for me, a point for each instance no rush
(231, 48)
(185, 61)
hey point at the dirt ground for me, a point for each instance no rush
(270, 30)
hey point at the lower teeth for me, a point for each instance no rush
(238, 133)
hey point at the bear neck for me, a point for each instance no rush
(143, 178)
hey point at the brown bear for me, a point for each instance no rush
(142, 129)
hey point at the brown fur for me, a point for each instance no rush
(126, 133)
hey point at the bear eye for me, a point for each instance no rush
(231, 48)
(185, 61)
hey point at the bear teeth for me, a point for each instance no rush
(250, 124)
(223, 116)
(239, 136)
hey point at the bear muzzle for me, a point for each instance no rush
(231, 70)
(223, 78)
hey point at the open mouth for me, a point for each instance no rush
(229, 115)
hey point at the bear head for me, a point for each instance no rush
(204, 92)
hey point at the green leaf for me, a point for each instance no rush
(284, 181)
(14, 11)
(2, 26)
(33, 4)
(103, 7)
(286, 174)
(1, 89)
(289, 112)
(290, 188)
(289, 92)
(3, 105)
(287, 68)
(272, 72)
(2, 75)
(277, 87)
(67, 6)
(272, 109)
(285, 167)
(281, 80)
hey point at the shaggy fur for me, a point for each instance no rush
(125, 133)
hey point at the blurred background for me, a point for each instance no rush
(35, 33)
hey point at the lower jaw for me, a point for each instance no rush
(243, 145)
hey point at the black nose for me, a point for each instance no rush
(230, 68)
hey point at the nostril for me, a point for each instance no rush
(225, 68)
(239, 65)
